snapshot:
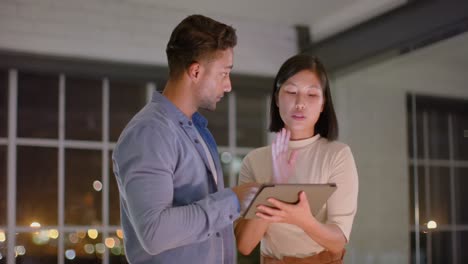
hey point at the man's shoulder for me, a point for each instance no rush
(151, 116)
(151, 121)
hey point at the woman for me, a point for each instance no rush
(304, 151)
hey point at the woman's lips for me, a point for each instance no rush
(298, 116)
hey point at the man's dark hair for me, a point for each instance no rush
(197, 37)
(327, 124)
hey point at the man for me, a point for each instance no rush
(174, 207)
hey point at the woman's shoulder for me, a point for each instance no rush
(334, 146)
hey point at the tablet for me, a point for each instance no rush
(317, 195)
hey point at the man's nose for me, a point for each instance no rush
(228, 87)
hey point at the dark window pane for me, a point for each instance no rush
(418, 127)
(226, 159)
(461, 195)
(439, 195)
(83, 187)
(117, 259)
(36, 247)
(422, 247)
(218, 121)
(409, 127)
(114, 243)
(442, 247)
(462, 238)
(84, 247)
(422, 194)
(36, 186)
(114, 198)
(83, 109)
(460, 136)
(231, 162)
(438, 135)
(3, 103)
(251, 119)
(126, 99)
(3, 185)
(3, 246)
(37, 105)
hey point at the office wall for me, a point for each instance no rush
(371, 105)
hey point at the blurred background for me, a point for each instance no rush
(73, 73)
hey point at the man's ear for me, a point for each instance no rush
(194, 70)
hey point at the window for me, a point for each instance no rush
(438, 174)
(67, 206)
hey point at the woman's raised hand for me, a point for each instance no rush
(283, 162)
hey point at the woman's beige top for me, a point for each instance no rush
(318, 161)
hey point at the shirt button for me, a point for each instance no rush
(181, 123)
(189, 123)
(230, 217)
(218, 234)
(209, 234)
(196, 141)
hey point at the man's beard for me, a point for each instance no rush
(206, 104)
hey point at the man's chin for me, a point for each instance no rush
(210, 108)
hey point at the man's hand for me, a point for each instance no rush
(283, 163)
(245, 193)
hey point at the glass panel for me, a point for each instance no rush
(114, 198)
(422, 195)
(460, 136)
(462, 246)
(229, 161)
(439, 195)
(83, 186)
(423, 249)
(419, 135)
(115, 245)
(83, 109)
(237, 164)
(36, 186)
(3, 103)
(251, 119)
(3, 185)
(37, 247)
(37, 105)
(409, 121)
(226, 160)
(84, 246)
(442, 247)
(3, 246)
(126, 99)
(461, 196)
(438, 135)
(218, 122)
